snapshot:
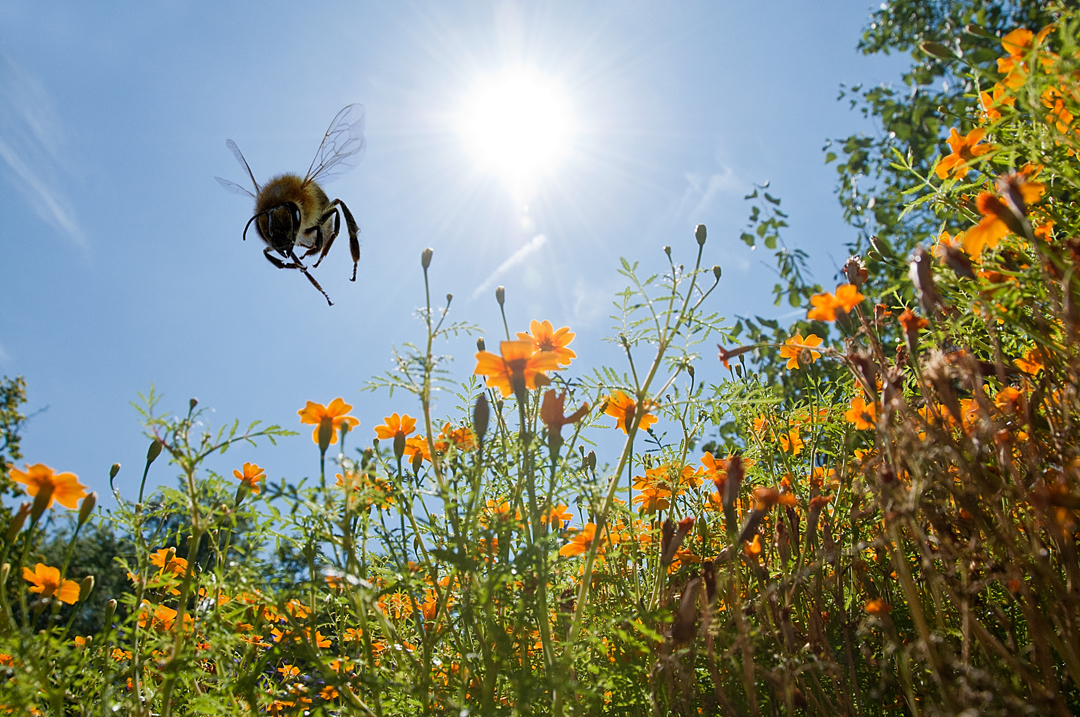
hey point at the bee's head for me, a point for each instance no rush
(277, 225)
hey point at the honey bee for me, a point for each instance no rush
(294, 214)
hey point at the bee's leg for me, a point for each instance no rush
(295, 264)
(350, 224)
(333, 234)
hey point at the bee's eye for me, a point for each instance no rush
(295, 217)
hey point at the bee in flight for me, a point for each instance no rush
(294, 214)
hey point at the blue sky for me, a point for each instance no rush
(124, 265)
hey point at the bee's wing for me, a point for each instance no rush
(234, 187)
(243, 163)
(344, 139)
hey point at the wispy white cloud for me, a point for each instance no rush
(702, 189)
(31, 147)
(532, 247)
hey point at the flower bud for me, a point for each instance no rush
(425, 257)
(153, 451)
(716, 271)
(16, 523)
(481, 415)
(110, 610)
(416, 461)
(192, 403)
(500, 294)
(449, 298)
(41, 501)
(87, 508)
(936, 49)
(480, 345)
(590, 460)
(86, 587)
(699, 234)
(114, 470)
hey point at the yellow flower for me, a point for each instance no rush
(623, 408)
(332, 416)
(520, 367)
(394, 425)
(791, 443)
(66, 488)
(251, 476)
(964, 151)
(547, 340)
(1032, 362)
(46, 581)
(794, 346)
(861, 414)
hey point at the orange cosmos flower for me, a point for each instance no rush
(417, 445)
(166, 560)
(863, 415)
(394, 425)
(580, 543)
(825, 304)
(877, 606)
(46, 581)
(251, 476)
(997, 215)
(911, 322)
(1058, 115)
(558, 516)
(791, 443)
(793, 347)
(653, 499)
(463, 439)
(520, 367)
(1019, 44)
(994, 100)
(547, 340)
(66, 488)
(333, 415)
(623, 408)
(1032, 362)
(964, 150)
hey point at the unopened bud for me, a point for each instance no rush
(192, 403)
(480, 345)
(110, 610)
(590, 460)
(326, 432)
(416, 461)
(87, 508)
(716, 271)
(425, 257)
(153, 451)
(936, 49)
(114, 470)
(481, 415)
(699, 234)
(42, 500)
(690, 369)
(16, 523)
(667, 250)
(500, 294)
(449, 298)
(86, 587)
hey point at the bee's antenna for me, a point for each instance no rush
(249, 223)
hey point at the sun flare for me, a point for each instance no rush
(517, 124)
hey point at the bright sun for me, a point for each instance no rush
(517, 124)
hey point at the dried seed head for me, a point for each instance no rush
(855, 271)
(921, 274)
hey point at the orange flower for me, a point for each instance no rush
(992, 228)
(580, 543)
(547, 340)
(462, 439)
(332, 416)
(863, 415)
(520, 367)
(1019, 44)
(66, 488)
(394, 425)
(793, 347)
(251, 476)
(653, 499)
(1032, 362)
(753, 549)
(825, 304)
(911, 322)
(167, 562)
(46, 581)
(415, 445)
(994, 100)
(558, 516)
(877, 606)
(623, 408)
(1058, 115)
(964, 150)
(791, 443)
(716, 468)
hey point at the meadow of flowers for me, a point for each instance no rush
(890, 528)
